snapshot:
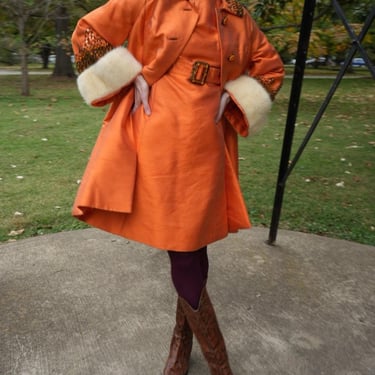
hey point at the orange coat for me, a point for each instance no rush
(171, 185)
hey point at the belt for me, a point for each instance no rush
(198, 72)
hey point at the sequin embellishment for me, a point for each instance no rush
(235, 7)
(268, 84)
(94, 47)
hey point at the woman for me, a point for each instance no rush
(183, 77)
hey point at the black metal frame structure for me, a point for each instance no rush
(286, 166)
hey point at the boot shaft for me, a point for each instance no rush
(181, 345)
(203, 323)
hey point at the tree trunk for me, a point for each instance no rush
(24, 52)
(63, 65)
(25, 87)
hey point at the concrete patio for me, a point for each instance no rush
(89, 303)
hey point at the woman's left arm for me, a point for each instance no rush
(252, 93)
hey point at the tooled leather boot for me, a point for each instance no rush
(181, 345)
(206, 329)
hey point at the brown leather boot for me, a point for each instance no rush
(206, 329)
(181, 344)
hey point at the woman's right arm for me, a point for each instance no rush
(104, 65)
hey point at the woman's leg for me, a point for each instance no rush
(189, 274)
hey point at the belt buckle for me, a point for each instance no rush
(201, 79)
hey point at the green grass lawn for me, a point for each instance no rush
(46, 139)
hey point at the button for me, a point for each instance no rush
(231, 58)
(224, 21)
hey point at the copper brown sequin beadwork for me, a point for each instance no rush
(235, 7)
(93, 48)
(267, 83)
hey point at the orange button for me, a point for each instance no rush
(231, 58)
(224, 21)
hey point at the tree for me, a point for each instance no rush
(27, 17)
(25, 23)
(63, 64)
(64, 12)
(280, 20)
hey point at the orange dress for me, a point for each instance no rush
(186, 190)
(180, 203)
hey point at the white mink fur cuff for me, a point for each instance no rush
(252, 98)
(108, 75)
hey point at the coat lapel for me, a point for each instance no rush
(172, 22)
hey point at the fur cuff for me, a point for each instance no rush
(252, 98)
(108, 75)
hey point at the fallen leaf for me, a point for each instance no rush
(340, 184)
(354, 146)
(15, 233)
(17, 213)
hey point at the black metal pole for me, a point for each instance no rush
(330, 94)
(356, 40)
(303, 44)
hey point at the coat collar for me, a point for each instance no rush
(231, 6)
(234, 7)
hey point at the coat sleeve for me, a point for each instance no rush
(104, 65)
(252, 93)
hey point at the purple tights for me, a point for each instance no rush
(189, 272)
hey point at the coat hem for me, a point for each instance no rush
(165, 247)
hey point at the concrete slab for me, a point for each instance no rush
(89, 303)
